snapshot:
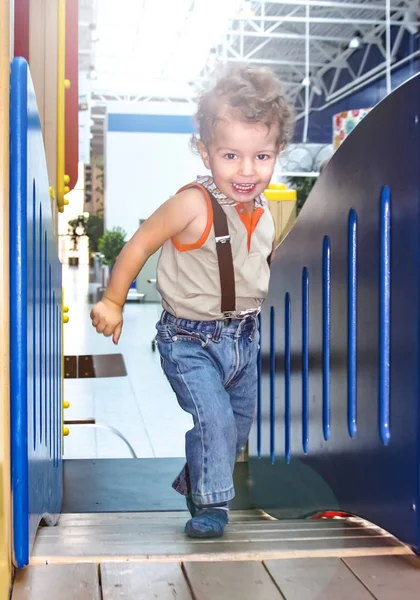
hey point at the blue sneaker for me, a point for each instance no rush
(207, 523)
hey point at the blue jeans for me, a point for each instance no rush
(212, 368)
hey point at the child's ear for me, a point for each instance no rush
(204, 154)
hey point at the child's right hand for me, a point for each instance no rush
(107, 318)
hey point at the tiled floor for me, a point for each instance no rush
(141, 406)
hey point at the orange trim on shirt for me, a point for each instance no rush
(250, 221)
(186, 247)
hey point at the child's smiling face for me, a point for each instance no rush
(241, 157)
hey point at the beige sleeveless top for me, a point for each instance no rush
(188, 274)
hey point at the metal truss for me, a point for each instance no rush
(272, 33)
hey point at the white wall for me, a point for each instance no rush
(143, 170)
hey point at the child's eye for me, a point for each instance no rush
(230, 156)
(262, 156)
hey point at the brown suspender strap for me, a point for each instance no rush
(224, 257)
(224, 253)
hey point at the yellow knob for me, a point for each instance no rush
(66, 179)
(66, 404)
(66, 189)
(51, 189)
(65, 309)
(61, 209)
(67, 84)
(66, 202)
(66, 318)
(66, 431)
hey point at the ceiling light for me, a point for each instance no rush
(355, 42)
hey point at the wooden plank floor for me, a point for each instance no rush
(141, 556)
(380, 578)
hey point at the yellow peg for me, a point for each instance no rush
(66, 404)
(66, 431)
(67, 84)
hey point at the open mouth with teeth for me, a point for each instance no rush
(244, 188)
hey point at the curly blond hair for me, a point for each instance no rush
(253, 95)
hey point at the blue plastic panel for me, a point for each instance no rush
(35, 325)
(358, 236)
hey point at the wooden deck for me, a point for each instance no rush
(141, 556)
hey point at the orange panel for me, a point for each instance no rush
(21, 33)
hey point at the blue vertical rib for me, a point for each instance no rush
(352, 325)
(60, 386)
(34, 326)
(259, 365)
(287, 373)
(272, 384)
(38, 284)
(50, 363)
(45, 334)
(384, 314)
(305, 360)
(54, 378)
(326, 334)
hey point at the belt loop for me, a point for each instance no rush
(256, 325)
(239, 328)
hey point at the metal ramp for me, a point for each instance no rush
(146, 555)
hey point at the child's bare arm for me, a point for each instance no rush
(171, 219)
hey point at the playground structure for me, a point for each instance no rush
(338, 423)
(339, 411)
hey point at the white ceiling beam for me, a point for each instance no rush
(333, 4)
(398, 41)
(288, 36)
(327, 51)
(326, 20)
(372, 37)
(364, 82)
(366, 76)
(254, 26)
(270, 61)
(254, 51)
(364, 59)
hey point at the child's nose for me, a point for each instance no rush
(247, 167)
